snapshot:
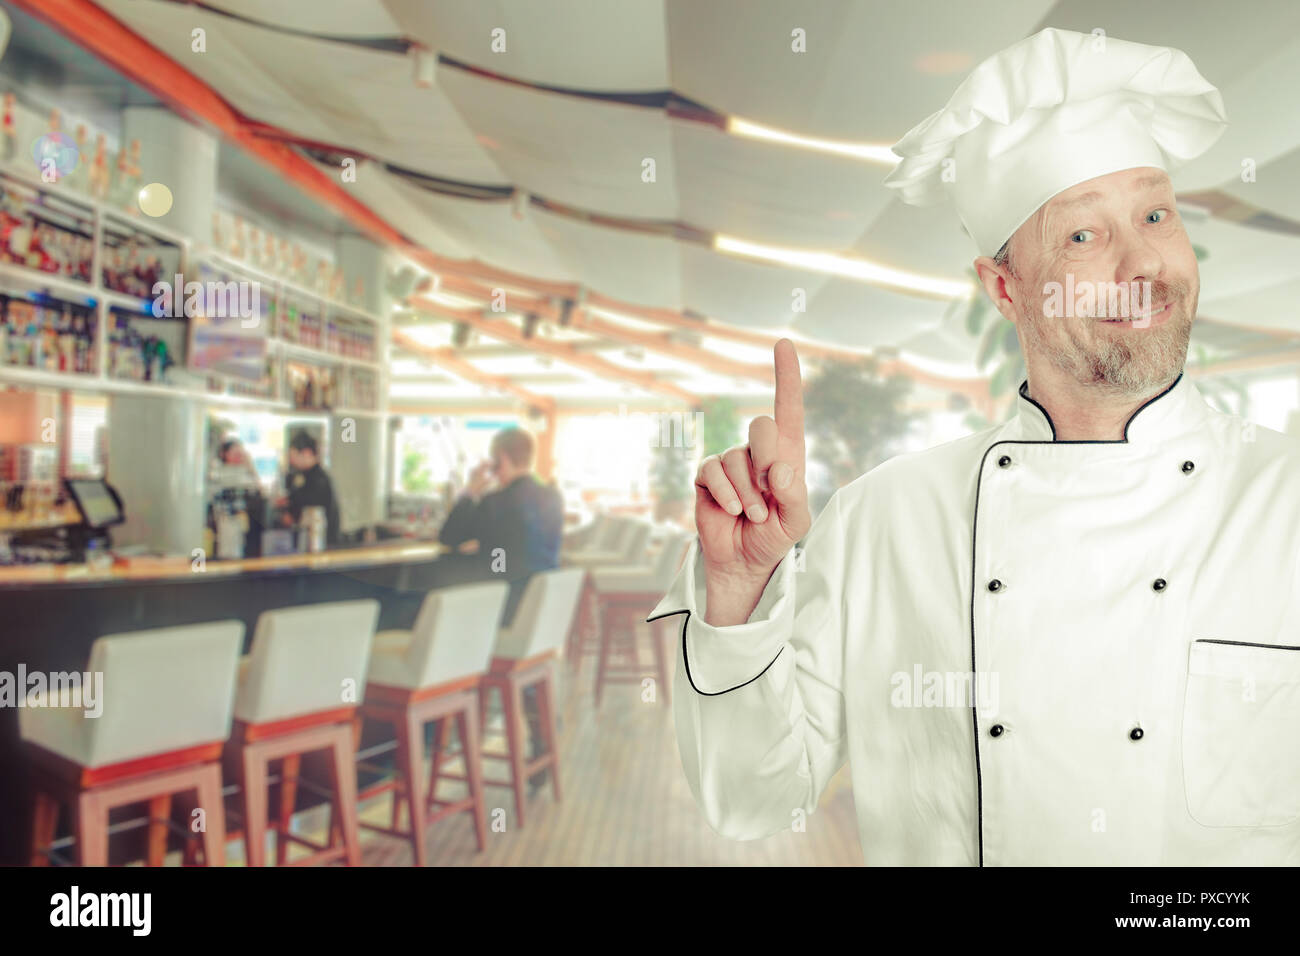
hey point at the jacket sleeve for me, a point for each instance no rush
(759, 706)
(460, 524)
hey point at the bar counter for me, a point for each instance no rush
(50, 615)
(137, 570)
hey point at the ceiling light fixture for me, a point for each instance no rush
(422, 64)
(846, 266)
(864, 151)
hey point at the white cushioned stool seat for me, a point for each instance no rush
(301, 657)
(452, 638)
(164, 689)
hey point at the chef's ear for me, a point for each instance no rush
(997, 280)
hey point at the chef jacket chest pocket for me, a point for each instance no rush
(1241, 734)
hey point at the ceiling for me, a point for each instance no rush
(541, 116)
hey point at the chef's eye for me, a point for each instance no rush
(1084, 233)
(1160, 215)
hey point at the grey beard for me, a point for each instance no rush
(1115, 364)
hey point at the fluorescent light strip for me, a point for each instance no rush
(873, 154)
(845, 266)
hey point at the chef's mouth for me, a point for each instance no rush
(1155, 317)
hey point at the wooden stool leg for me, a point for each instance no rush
(214, 817)
(160, 812)
(410, 747)
(45, 820)
(345, 794)
(661, 661)
(517, 742)
(255, 807)
(606, 638)
(289, 768)
(92, 830)
(467, 726)
(441, 740)
(550, 729)
(627, 624)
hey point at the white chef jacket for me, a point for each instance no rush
(1030, 652)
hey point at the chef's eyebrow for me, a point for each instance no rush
(1146, 182)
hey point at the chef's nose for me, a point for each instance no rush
(1139, 259)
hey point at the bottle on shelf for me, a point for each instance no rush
(133, 172)
(9, 145)
(77, 178)
(99, 168)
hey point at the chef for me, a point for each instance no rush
(1073, 638)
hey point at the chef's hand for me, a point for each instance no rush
(751, 503)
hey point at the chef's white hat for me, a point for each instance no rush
(1047, 113)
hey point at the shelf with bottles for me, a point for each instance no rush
(132, 261)
(361, 389)
(237, 387)
(310, 387)
(302, 327)
(304, 317)
(45, 232)
(277, 259)
(47, 334)
(142, 348)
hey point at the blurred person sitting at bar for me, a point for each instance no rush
(310, 486)
(506, 523)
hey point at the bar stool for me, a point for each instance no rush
(623, 596)
(159, 734)
(607, 535)
(590, 535)
(293, 698)
(430, 673)
(632, 553)
(524, 657)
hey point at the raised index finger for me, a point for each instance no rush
(789, 392)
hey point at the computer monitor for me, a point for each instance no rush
(98, 504)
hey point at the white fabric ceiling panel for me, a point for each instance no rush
(1276, 188)
(1266, 307)
(871, 72)
(578, 44)
(1242, 260)
(583, 152)
(231, 64)
(754, 295)
(927, 241)
(490, 231)
(865, 316)
(387, 196)
(323, 91)
(773, 193)
(635, 267)
(349, 18)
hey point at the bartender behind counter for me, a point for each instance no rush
(309, 486)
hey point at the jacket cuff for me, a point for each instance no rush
(721, 659)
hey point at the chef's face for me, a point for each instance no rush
(1121, 237)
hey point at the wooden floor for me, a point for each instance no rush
(626, 803)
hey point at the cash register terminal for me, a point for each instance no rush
(100, 508)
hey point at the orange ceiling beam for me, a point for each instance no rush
(502, 329)
(583, 321)
(448, 359)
